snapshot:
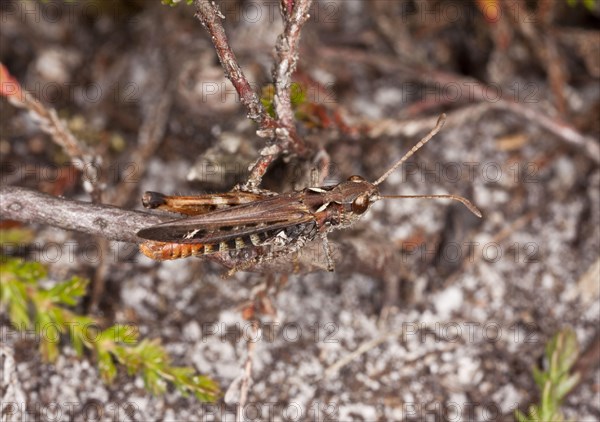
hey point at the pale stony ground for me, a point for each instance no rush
(462, 333)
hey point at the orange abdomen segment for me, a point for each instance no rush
(162, 251)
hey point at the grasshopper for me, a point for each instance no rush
(270, 225)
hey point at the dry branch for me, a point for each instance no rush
(282, 131)
(476, 95)
(287, 59)
(210, 16)
(83, 158)
(110, 222)
(150, 135)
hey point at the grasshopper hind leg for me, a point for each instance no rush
(328, 254)
(274, 252)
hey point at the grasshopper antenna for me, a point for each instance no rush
(436, 129)
(460, 199)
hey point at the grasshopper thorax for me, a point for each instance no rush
(342, 205)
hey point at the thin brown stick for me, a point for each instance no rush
(543, 45)
(210, 16)
(83, 157)
(556, 126)
(150, 136)
(476, 94)
(247, 375)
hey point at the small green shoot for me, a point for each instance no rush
(588, 4)
(174, 3)
(297, 98)
(16, 236)
(555, 381)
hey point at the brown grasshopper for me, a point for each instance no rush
(270, 225)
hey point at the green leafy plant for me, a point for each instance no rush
(173, 3)
(297, 98)
(588, 4)
(555, 381)
(47, 312)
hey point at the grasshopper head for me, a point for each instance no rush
(357, 195)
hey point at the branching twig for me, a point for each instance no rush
(282, 131)
(210, 16)
(83, 158)
(295, 14)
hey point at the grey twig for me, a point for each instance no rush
(107, 221)
(295, 14)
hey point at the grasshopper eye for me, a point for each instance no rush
(356, 179)
(360, 205)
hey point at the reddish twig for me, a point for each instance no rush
(282, 132)
(47, 118)
(89, 164)
(210, 16)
